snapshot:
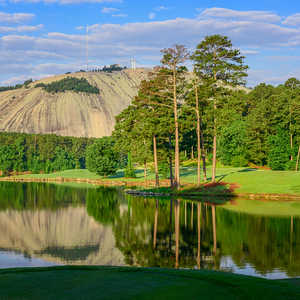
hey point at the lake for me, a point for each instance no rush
(46, 224)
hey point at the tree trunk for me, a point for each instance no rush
(155, 162)
(177, 163)
(203, 155)
(192, 152)
(214, 162)
(198, 139)
(297, 162)
(170, 162)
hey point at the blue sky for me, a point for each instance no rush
(45, 37)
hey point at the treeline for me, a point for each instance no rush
(69, 84)
(15, 87)
(46, 153)
(109, 69)
(208, 115)
(41, 152)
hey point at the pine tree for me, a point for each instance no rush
(217, 63)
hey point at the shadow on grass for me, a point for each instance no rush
(247, 170)
(121, 174)
(221, 177)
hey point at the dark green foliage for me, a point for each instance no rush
(215, 59)
(69, 84)
(129, 171)
(164, 170)
(101, 157)
(7, 156)
(232, 148)
(41, 153)
(27, 82)
(279, 150)
(112, 68)
(23, 196)
(62, 160)
(103, 204)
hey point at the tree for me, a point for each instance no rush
(131, 135)
(62, 160)
(232, 147)
(173, 58)
(217, 63)
(101, 157)
(279, 150)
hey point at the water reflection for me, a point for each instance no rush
(63, 225)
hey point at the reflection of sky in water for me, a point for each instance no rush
(15, 260)
(228, 265)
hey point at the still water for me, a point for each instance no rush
(44, 225)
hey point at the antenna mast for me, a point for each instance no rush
(133, 64)
(87, 48)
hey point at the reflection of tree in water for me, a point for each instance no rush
(103, 204)
(267, 243)
(148, 230)
(146, 234)
(19, 196)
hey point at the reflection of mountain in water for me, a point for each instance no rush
(67, 235)
(50, 222)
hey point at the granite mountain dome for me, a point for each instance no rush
(33, 110)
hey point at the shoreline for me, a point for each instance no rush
(151, 183)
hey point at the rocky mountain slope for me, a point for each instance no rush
(33, 110)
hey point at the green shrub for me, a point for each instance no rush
(69, 84)
(129, 171)
(101, 157)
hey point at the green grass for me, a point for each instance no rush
(249, 180)
(264, 208)
(65, 283)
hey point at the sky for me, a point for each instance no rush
(41, 38)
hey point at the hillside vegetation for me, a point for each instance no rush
(69, 84)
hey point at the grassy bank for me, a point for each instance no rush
(243, 180)
(138, 283)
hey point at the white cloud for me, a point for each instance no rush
(24, 28)
(292, 20)
(114, 43)
(109, 10)
(253, 15)
(15, 18)
(151, 15)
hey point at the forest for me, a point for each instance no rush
(207, 116)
